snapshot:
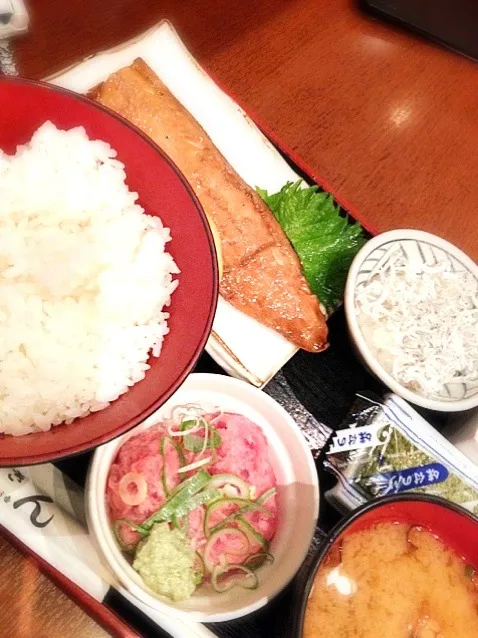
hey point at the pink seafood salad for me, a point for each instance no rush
(207, 476)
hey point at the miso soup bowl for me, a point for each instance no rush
(297, 499)
(455, 526)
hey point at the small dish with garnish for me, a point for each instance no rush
(208, 508)
(411, 303)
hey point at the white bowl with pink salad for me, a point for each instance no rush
(207, 509)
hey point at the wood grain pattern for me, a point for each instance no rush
(389, 121)
(32, 606)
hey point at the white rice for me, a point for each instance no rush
(84, 277)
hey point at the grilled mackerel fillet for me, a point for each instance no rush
(261, 272)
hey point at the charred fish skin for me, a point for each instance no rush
(262, 275)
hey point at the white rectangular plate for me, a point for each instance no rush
(243, 347)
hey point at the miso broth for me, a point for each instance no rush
(393, 581)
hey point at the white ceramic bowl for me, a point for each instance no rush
(298, 500)
(417, 245)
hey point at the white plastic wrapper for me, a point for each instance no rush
(388, 448)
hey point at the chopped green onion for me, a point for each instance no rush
(253, 535)
(195, 465)
(225, 531)
(239, 575)
(140, 493)
(195, 443)
(187, 425)
(199, 569)
(167, 440)
(255, 561)
(116, 529)
(195, 501)
(244, 506)
(222, 481)
(137, 528)
(266, 496)
(194, 426)
(181, 523)
(187, 489)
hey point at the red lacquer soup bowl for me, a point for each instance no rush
(163, 191)
(454, 526)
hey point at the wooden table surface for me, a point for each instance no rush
(31, 606)
(389, 122)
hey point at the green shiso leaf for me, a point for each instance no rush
(325, 241)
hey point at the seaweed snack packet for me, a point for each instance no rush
(388, 448)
